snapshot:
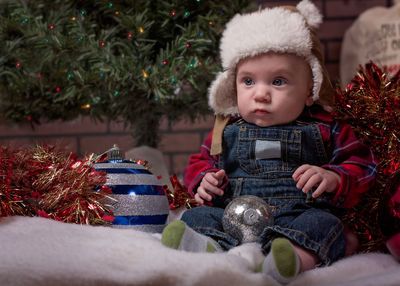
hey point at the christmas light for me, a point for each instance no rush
(85, 106)
(116, 92)
(69, 75)
(141, 29)
(211, 22)
(129, 35)
(173, 80)
(102, 44)
(29, 118)
(58, 89)
(188, 45)
(117, 12)
(144, 74)
(39, 75)
(187, 13)
(73, 18)
(83, 12)
(17, 64)
(110, 4)
(101, 74)
(164, 62)
(172, 12)
(51, 27)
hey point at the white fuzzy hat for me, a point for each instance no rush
(285, 29)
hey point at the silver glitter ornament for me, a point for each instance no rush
(246, 217)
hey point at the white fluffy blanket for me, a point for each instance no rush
(38, 251)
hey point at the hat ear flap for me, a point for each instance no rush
(222, 94)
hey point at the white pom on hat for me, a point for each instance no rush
(310, 13)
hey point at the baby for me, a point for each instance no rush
(273, 138)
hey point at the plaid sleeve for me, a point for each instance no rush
(199, 165)
(354, 162)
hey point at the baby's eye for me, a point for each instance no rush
(279, 82)
(248, 81)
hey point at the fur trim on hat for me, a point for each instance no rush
(279, 29)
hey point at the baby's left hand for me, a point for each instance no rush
(309, 176)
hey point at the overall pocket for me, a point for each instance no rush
(269, 150)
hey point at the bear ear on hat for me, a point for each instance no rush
(222, 94)
(310, 12)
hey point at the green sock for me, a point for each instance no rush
(282, 262)
(178, 235)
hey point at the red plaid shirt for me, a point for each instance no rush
(351, 159)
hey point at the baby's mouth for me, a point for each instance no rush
(261, 112)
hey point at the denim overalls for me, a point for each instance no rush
(260, 161)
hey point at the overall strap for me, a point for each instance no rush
(216, 141)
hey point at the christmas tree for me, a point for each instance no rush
(131, 60)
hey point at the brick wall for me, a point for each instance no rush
(181, 139)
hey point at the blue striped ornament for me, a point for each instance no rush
(138, 200)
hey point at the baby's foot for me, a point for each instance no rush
(282, 262)
(178, 235)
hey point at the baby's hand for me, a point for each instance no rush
(309, 176)
(209, 186)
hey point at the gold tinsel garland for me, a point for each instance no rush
(43, 181)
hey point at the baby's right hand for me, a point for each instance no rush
(209, 186)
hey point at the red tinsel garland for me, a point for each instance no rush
(371, 106)
(43, 181)
(179, 195)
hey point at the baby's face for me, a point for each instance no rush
(272, 89)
